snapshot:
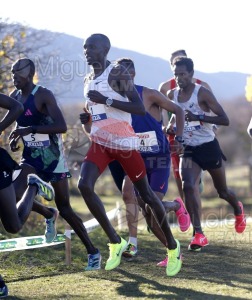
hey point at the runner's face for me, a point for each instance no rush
(182, 76)
(20, 77)
(129, 69)
(93, 51)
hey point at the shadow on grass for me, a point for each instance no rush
(221, 270)
(219, 267)
(220, 264)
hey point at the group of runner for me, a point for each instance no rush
(125, 124)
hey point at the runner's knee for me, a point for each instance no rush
(223, 194)
(188, 187)
(11, 227)
(84, 186)
(128, 197)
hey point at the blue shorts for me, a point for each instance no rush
(158, 172)
(157, 168)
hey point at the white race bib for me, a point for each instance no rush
(98, 112)
(192, 126)
(148, 142)
(36, 140)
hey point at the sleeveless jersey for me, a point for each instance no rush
(42, 151)
(152, 140)
(173, 85)
(111, 127)
(195, 132)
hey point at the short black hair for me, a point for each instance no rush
(28, 62)
(184, 61)
(180, 51)
(103, 38)
(128, 63)
(32, 65)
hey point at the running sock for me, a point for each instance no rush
(132, 240)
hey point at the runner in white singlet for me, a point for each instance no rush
(202, 150)
(110, 99)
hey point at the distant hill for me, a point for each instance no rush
(67, 79)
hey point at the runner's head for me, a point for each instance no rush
(23, 71)
(23, 67)
(96, 48)
(177, 53)
(128, 65)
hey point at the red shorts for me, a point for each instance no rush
(131, 161)
(174, 157)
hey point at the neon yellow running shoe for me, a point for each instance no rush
(115, 254)
(174, 261)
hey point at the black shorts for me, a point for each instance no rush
(208, 155)
(53, 177)
(7, 166)
(5, 179)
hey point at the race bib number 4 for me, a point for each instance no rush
(36, 140)
(148, 142)
(98, 112)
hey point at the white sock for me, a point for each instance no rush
(132, 240)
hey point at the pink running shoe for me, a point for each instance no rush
(240, 220)
(198, 241)
(163, 263)
(183, 216)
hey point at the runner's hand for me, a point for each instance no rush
(19, 132)
(85, 117)
(96, 97)
(14, 145)
(189, 116)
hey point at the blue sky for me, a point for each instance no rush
(215, 33)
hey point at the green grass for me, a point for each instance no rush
(221, 271)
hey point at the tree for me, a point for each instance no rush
(16, 41)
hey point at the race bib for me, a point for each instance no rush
(98, 112)
(36, 140)
(192, 126)
(148, 142)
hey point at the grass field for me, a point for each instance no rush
(221, 271)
